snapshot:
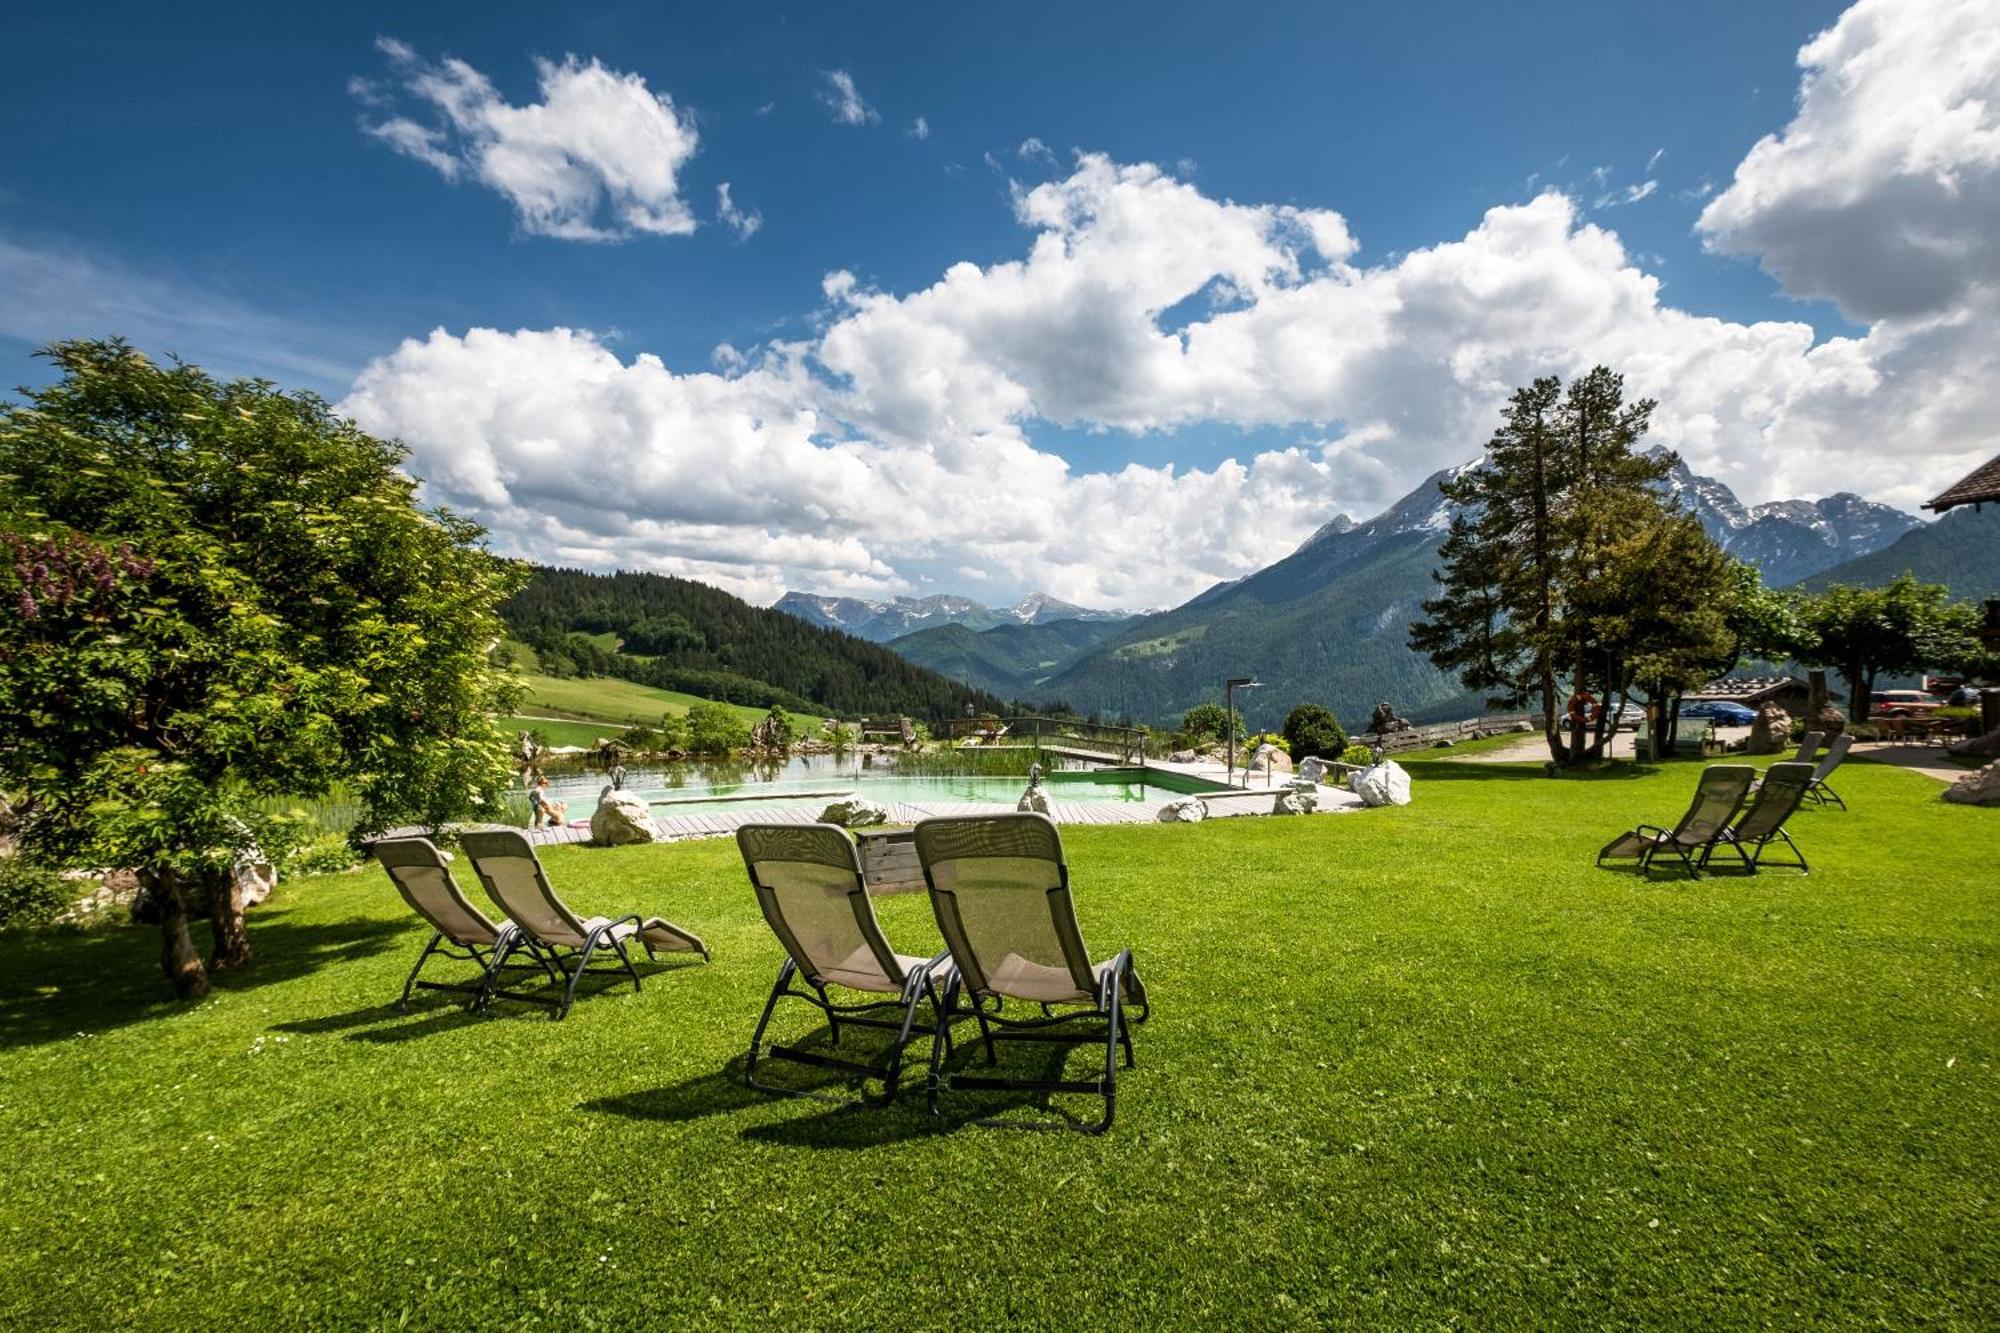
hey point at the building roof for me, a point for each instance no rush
(1979, 486)
(1747, 690)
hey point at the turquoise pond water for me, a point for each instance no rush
(811, 780)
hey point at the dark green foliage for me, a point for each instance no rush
(1900, 628)
(30, 894)
(1311, 730)
(1210, 722)
(701, 640)
(715, 729)
(216, 594)
(1521, 605)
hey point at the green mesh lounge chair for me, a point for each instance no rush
(1000, 888)
(459, 930)
(1716, 799)
(1809, 746)
(1763, 820)
(506, 864)
(809, 884)
(1818, 789)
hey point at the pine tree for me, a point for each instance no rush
(1538, 519)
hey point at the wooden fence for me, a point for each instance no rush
(1424, 738)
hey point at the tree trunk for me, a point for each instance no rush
(225, 917)
(177, 956)
(1857, 692)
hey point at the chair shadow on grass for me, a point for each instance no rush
(61, 982)
(832, 1113)
(434, 1011)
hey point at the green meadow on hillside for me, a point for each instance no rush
(1423, 1066)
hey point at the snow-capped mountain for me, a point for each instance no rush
(1789, 539)
(882, 621)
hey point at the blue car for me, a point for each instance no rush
(1719, 711)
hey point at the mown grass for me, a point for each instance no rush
(562, 733)
(1415, 1067)
(608, 699)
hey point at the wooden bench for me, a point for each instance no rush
(899, 730)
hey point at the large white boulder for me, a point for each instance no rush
(1312, 768)
(854, 812)
(1187, 810)
(1387, 783)
(1295, 801)
(1034, 799)
(1981, 788)
(623, 818)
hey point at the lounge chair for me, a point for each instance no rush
(1809, 746)
(1818, 788)
(459, 930)
(1716, 799)
(506, 864)
(1000, 888)
(809, 884)
(1762, 822)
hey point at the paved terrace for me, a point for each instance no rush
(1221, 805)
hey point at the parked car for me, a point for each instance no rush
(1902, 703)
(1721, 712)
(1629, 717)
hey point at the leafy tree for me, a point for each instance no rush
(1208, 722)
(1537, 521)
(1661, 604)
(213, 594)
(714, 728)
(1899, 628)
(1312, 730)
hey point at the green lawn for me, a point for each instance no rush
(608, 699)
(1421, 1067)
(562, 733)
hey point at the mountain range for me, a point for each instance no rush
(1330, 621)
(879, 622)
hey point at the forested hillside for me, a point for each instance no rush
(1960, 550)
(1011, 660)
(680, 635)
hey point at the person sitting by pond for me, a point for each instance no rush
(542, 810)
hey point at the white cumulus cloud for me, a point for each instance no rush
(844, 100)
(1883, 193)
(598, 158)
(734, 216)
(898, 445)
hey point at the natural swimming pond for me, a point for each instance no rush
(805, 780)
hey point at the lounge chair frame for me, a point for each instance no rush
(1762, 822)
(830, 846)
(1698, 829)
(1108, 987)
(1836, 752)
(458, 938)
(588, 941)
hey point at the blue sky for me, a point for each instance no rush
(200, 179)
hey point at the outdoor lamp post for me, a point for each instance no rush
(1229, 688)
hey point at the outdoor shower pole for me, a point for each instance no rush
(1229, 688)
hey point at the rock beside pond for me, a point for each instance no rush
(1034, 799)
(1295, 801)
(1187, 810)
(1981, 788)
(854, 812)
(1387, 783)
(1183, 757)
(623, 818)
